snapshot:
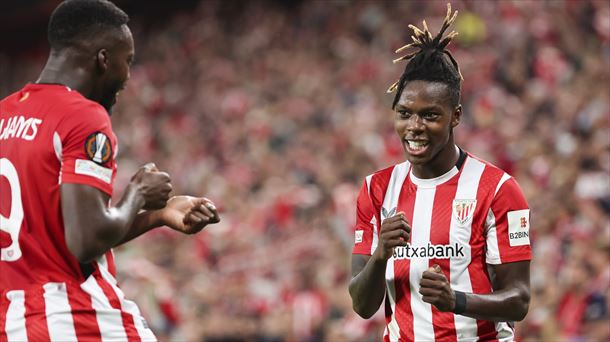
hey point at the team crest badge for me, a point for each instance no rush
(463, 210)
(97, 148)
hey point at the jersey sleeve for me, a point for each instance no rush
(508, 226)
(365, 240)
(87, 147)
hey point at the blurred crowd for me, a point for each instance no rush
(277, 111)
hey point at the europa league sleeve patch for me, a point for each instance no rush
(98, 148)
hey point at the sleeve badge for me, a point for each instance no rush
(98, 148)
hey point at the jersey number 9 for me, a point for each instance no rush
(12, 223)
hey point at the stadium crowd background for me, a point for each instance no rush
(277, 110)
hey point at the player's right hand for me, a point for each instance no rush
(395, 232)
(153, 185)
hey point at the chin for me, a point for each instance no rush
(417, 160)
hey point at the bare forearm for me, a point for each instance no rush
(367, 288)
(142, 223)
(116, 222)
(500, 306)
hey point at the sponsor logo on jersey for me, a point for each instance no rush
(385, 213)
(429, 251)
(463, 210)
(518, 227)
(359, 234)
(97, 148)
(89, 168)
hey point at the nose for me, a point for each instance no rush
(415, 124)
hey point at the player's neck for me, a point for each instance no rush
(440, 164)
(61, 69)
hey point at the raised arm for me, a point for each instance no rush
(92, 227)
(185, 214)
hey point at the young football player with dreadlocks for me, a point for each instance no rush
(444, 235)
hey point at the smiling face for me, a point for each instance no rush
(424, 120)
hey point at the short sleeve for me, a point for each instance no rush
(365, 234)
(87, 147)
(508, 226)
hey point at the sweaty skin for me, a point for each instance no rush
(426, 117)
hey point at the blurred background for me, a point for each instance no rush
(276, 110)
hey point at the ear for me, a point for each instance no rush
(101, 60)
(457, 116)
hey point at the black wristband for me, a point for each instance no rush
(460, 303)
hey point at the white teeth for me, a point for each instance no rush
(417, 145)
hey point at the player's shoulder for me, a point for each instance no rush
(72, 109)
(383, 176)
(498, 180)
(490, 170)
(74, 104)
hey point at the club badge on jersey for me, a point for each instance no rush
(98, 148)
(463, 210)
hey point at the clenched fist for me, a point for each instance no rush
(436, 290)
(395, 232)
(153, 185)
(188, 214)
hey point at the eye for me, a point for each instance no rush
(403, 114)
(430, 115)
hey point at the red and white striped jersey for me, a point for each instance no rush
(51, 135)
(462, 221)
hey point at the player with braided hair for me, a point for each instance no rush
(444, 235)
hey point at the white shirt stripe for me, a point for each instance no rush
(59, 313)
(399, 174)
(468, 184)
(504, 178)
(128, 306)
(375, 239)
(15, 316)
(420, 236)
(397, 179)
(505, 333)
(492, 255)
(108, 318)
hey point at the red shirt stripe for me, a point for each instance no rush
(85, 321)
(443, 322)
(128, 323)
(35, 317)
(404, 314)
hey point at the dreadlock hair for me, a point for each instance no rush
(431, 62)
(77, 20)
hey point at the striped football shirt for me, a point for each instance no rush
(464, 220)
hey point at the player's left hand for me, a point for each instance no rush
(188, 214)
(436, 289)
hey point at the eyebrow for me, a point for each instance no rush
(424, 109)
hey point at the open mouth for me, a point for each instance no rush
(416, 147)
